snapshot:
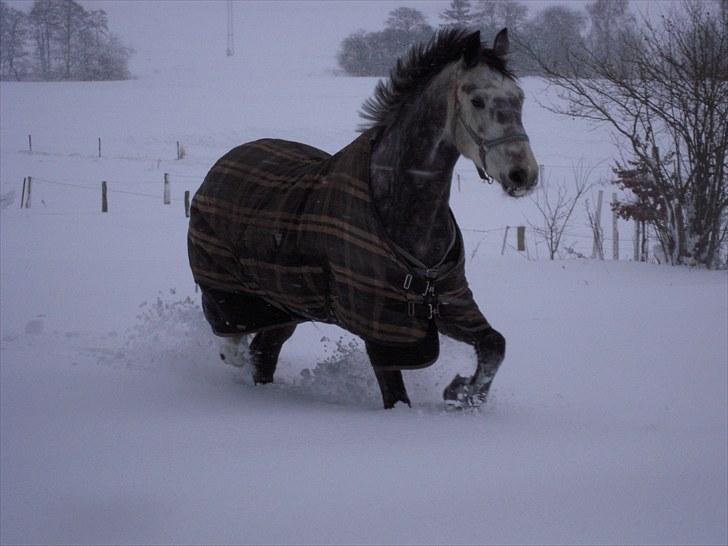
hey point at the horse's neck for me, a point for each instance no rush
(411, 170)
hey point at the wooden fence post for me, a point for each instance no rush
(187, 203)
(178, 149)
(99, 146)
(505, 239)
(27, 193)
(598, 246)
(615, 231)
(22, 195)
(30, 144)
(167, 195)
(104, 199)
(521, 238)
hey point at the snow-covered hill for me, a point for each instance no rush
(119, 423)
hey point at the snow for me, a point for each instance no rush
(119, 423)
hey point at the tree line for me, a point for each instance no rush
(598, 26)
(60, 40)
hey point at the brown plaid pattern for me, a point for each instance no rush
(295, 227)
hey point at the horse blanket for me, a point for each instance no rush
(281, 232)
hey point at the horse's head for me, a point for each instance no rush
(485, 116)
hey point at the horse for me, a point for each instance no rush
(283, 233)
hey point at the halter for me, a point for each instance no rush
(483, 144)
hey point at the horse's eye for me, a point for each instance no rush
(478, 103)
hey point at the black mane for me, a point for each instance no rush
(415, 70)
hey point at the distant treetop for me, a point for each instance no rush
(60, 40)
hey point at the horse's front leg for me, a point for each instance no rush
(490, 349)
(391, 383)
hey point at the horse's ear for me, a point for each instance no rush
(501, 43)
(471, 49)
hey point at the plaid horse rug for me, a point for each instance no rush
(281, 232)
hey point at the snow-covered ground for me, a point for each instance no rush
(119, 423)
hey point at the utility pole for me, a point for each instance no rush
(230, 37)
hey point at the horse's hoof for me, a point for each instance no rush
(391, 404)
(462, 394)
(457, 389)
(262, 379)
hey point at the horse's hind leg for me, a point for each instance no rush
(265, 349)
(234, 350)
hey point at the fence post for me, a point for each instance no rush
(27, 193)
(458, 182)
(99, 146)
(521, 238)
(22, 195)
(167, 196)
(178, 149)
(104, 199)
(541, 173)
(30, 144)
(187, 203)
(615, 231)
(505, 239)
(598, 246)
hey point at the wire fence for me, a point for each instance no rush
(110, 190)
(526, 247)
(576, 163)
(179, 176)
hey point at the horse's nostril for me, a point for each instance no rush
(518, 176)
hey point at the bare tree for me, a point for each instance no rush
(406, 19)
(71, 25)
(485, 15)
(457, 14)
(610, 19)
(556, 203)
(74, 44)
(552, 34)
(45, 17)
(666, 101)
(14, 33)
(594, 218)
(512, 14)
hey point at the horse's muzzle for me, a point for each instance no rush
(518, 182)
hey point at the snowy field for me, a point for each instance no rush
(119, 424)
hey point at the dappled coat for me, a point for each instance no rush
(290, 234)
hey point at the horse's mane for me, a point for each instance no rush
(415, 70)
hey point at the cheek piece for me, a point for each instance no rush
(483, 144)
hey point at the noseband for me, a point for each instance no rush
(483, 144)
